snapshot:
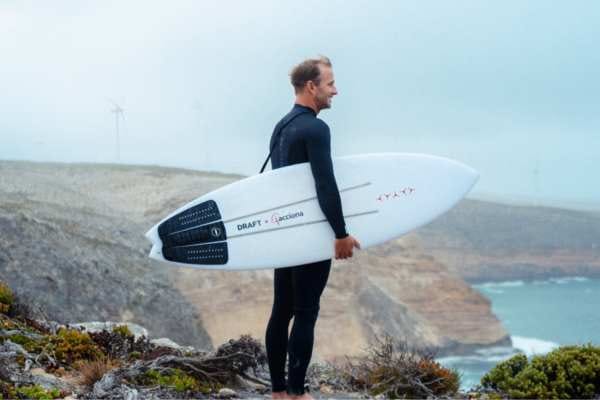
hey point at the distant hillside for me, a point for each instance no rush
(484, 241)
(72, 239)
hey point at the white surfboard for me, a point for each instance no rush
(274, 220)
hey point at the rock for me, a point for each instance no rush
(9, 368)
(10, 347)
(226, 393)
(166, 342)
(249, 385)
(104, 386)
(48, 381)
(95, 326)
(129, 393)
(50, 326)
(326, 389)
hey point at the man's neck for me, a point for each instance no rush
(307, 103)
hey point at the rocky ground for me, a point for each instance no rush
(43, 359)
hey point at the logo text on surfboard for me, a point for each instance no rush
(407, 191)
(275, 218)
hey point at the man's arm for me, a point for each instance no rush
(318, 148)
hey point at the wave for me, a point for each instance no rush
(505, 284)
(527, 346)
(533, 346)
(493, 286)
(489, 355)
(562, 281)
(568, 279)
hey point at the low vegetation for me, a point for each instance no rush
(389, 368)
(569, 372)
(91, 372)
(6, 298)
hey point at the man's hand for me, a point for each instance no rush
(344, 247)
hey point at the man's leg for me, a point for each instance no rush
(277, 330)
(309, 281)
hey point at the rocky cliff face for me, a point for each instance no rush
(82, 258)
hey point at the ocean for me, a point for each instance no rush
(539, 316)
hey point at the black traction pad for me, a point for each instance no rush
(199, 214)
(214, 232)
(207, 254)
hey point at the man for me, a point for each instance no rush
(301, 137)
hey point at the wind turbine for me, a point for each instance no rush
(117, 110)
(536, 181)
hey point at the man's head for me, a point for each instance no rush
(314, 83)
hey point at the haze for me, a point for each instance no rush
(510, 88)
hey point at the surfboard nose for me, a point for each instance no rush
(471, 176)
(463, 176)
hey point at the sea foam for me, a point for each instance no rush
(533, 346)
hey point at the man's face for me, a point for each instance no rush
(326, 88)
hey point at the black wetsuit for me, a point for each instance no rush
(298, 289)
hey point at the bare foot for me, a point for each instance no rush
(304, 396)
(280, 395)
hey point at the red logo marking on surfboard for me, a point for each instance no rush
(407, 191)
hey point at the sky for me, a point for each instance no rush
(510, 88)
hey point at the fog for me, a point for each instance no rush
(510, 88)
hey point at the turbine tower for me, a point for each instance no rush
(117, 110)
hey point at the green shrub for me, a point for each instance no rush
(70, 345)
(175, 379)
(29, 344)
(178, 380)
(566, 373)
(37, 392)
(123, 330)
(7, 298)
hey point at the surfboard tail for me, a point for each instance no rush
(156, 253)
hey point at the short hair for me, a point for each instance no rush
(308, 70)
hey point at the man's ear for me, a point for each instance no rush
(310, 85)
